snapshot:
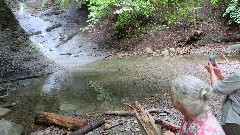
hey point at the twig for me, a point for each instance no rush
(120, 113)
(120, 123)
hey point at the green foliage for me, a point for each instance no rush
(233, 12)
(45, 2)
(97, 11)
(64, 2)
(137, 13)
(102, 94)
(132, 15)
(33, 46)
(214, 1)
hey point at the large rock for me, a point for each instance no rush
(4, 111)
(10, 128)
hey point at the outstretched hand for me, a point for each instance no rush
(214, 70)
(209, 67)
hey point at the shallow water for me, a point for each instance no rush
(101, 85)
(105, 85)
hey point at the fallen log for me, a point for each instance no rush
(166, 122)
(53, 27)
(146, 120)
(65, 121)
(155, 110)
(120, 113)
(89, 127)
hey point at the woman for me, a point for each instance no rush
(229, 86)
(190, 96)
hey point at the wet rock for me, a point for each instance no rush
(54, 26)
(35, 33)
(66, 54)
(67, 107)
(38, 133)
(4, 111)
(10, 128)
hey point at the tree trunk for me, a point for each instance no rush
(146, 120)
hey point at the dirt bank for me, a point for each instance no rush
(19, 59)
(210, 34)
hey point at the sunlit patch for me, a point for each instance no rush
(167, 94)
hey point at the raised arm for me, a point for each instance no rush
(210, 70)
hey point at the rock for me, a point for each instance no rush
(4, 111)
(165, 52)
(38, 133)
(172, 51)
(10, 128)
(236, 46)
(149, 51)
(67, 107)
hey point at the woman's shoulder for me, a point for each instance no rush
(235, 74)
(212, 125)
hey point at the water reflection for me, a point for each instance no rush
(54, 81)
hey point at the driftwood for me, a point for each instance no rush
(167, 122)
(132, 113)
(120, 113)
(53, 27)
(67, 39)
(146, 120)
(8, 105)
(89, 127)
(107, 128)
(155, 110)
(65, 121)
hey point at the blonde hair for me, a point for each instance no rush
(193, 92)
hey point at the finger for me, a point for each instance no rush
(209, 63)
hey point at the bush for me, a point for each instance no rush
(130, 15)
(232, 13)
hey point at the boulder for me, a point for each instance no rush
(4, 111)
(10, 128)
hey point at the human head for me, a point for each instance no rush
(192, 92)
